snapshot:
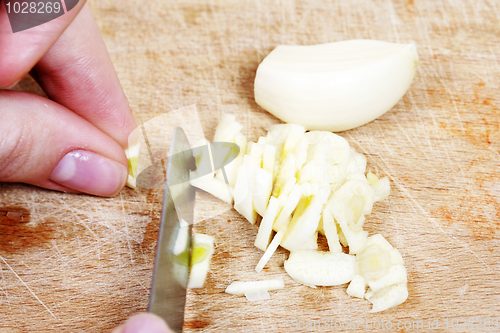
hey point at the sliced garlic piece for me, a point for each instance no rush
(201, 254)
(290, 205)
(259, 295)
(268, 159)
(231, 170)
(349, 205)
(315, 268)
(270, 250)
(335, 86)
(381, 267)
(227, 129)
(243, 191)
(263, 186)
(357, 287)
(132, 154)
(240, 288)
(387, 298)
(330, 230)
(266, 225)
(311, 243)
(305, 221)
(356, 165)
(382, 187)
(380, 264)
(215, 187)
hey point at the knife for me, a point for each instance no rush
(171, 270)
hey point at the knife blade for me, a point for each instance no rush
(171, 270)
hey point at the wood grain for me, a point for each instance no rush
(77, 263)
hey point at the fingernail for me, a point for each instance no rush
(89, 172)
(145, 323)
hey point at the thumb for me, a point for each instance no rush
(44, 144)
(144, 323)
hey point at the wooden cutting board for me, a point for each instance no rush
(77, 263)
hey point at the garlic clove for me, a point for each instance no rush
(334, 86)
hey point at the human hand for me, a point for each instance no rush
(74, 140)
(144, 323)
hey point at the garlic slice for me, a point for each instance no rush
(334, 86)
(349, 205)
(381, 267)
(266, 225)
(241, 288)
(315, 268)
(201, 254)
(132, 154)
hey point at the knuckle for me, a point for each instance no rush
(14, 153)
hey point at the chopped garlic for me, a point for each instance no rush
(243, 191)
(357, 287)
(263, 186)
(215, 187)
(259, 295)
(380, 266)
(388, 297)
(311, 243)
(201, 254)
(240, 288)
(330, 231)
(291, 203)
(315, 268)
(381, 187)
(132, 154)
(305, 183)
(266, 225)
(349, 205)
(270, 250)
(305, 222)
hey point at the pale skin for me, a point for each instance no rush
(86, 110)
(73, 141)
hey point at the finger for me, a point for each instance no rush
(144, 323)
(45, 144)
(20, 51)
(78, 73)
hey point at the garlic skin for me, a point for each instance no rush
(334, 86)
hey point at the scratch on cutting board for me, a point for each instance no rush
(455, 107)
(393, 17)
(4, 289)
(430, 218)
(442, 299)
(427, 136)
(31, 291)
(81, 222)
(126, 229)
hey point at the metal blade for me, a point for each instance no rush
(168, 291)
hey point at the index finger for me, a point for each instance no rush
(20, 51)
